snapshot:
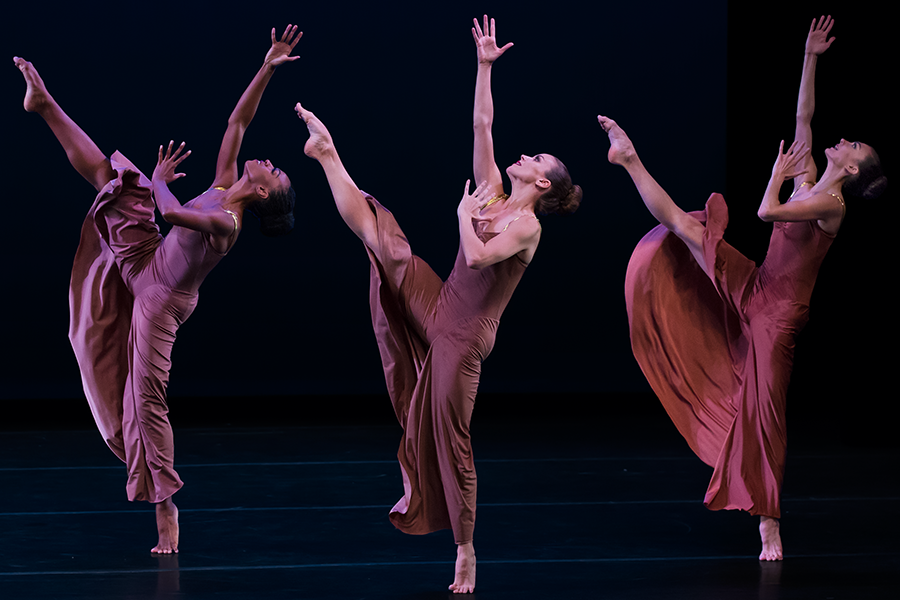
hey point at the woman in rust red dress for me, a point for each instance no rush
(719, 356)
(132, 288)
(433, 334)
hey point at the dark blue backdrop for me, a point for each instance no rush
(706, 94)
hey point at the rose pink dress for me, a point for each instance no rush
(433, 336)
(130, 291)
(717, 347)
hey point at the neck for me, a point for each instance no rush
(522, 199)
(832, 180)
(237, 197)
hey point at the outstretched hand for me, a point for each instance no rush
(817, 40)
(165, 165)
(280, 52)
(790, 164)
(471, 204)
(486, 42)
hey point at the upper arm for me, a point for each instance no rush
(520, 235)
(226, 164)
(484, 166)
(213, 221)
(819, 206)
(803, 133)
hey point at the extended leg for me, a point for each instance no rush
(83, 153)
(349, 200)
(659, 203)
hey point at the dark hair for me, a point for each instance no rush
(275, 213)
(869, 181)
(562, 198)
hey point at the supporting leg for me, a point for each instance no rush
(770, 533)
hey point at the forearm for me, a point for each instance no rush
(473, 248)
(246, 107)
(768, 208)
(806, 101)
(483, 113)
(166, 201)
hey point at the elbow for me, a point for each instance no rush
(765, 215)
(239, 122)
(481, 123)
(804, 117)
(475, 262)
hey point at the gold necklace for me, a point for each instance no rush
(493, 200)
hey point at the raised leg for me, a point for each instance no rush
(83, 153)
(658, 202)
(351, 203)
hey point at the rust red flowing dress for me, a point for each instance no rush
(432, 336)
(131, 289)
(717, 347)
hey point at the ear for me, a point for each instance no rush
(851, 169)
(262, 192)
(542, 183)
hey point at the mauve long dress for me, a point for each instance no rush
(717, 347)
(433, 336)
(131, 289)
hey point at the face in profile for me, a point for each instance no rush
(848, 154)
(530, 169)
(262, 173)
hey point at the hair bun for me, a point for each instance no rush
(569, 203)
(875, 188)
(276, 225)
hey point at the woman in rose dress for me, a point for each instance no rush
(132, 288)
(433, 335)
(719, 356)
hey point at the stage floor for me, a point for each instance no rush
(567, 508)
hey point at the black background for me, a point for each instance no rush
(706, 90)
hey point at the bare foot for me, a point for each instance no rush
(621, 150)
(37, 98)
(770, 532)
(319, 145)
(465, 569)
(167, 524)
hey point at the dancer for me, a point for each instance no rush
(131, 288)
(433, 335)
(719, 357)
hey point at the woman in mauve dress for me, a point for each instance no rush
(719, 356)
(131, 288)
(433, 335)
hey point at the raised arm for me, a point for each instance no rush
(213, 221)
(485, 168)
(226, 165)
(817, 42)
(520, 235)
